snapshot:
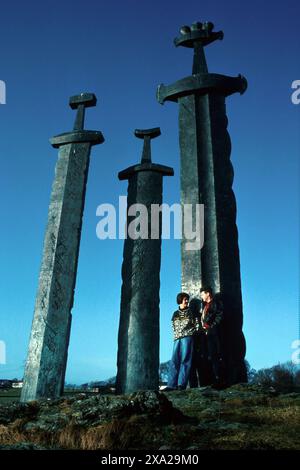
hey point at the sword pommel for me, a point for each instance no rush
(86, 99)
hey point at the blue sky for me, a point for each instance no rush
(121, 51)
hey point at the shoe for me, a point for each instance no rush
(168, 389)
(181, 387)
(218, 386)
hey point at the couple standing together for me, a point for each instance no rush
(196, 354)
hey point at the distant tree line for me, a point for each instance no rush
(282, 377)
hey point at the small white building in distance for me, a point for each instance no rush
(18, 384)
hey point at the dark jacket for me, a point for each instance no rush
(213, 316)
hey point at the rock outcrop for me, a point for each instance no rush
(241, 417)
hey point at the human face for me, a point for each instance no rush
(205, 296)
(185, 303)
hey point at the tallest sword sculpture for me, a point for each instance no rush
(206, 178)
(48, 347)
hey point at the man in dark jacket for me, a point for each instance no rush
(211, 317)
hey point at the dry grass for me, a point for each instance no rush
(258, 422)
(263, 438)
(117, 434)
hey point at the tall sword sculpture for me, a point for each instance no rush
(206, 177)
(138, 340)
(48, 347)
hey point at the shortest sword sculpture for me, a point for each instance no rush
(138, 340)
(48, 348)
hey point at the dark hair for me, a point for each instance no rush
(181, 296)
(207, 289)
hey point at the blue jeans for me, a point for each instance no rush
(181, 362)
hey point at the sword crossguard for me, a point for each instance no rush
(147, 135)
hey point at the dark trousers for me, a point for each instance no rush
(214, 355)
(207, 364)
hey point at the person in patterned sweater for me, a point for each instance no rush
(185, 324)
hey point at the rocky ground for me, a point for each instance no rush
(241, 417)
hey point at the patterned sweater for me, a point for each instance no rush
(184, 323)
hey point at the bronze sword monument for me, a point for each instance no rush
(48, 346)
(206, 176)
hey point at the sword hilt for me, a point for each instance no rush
(80, 102)
(197, 36)
(147, 135)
